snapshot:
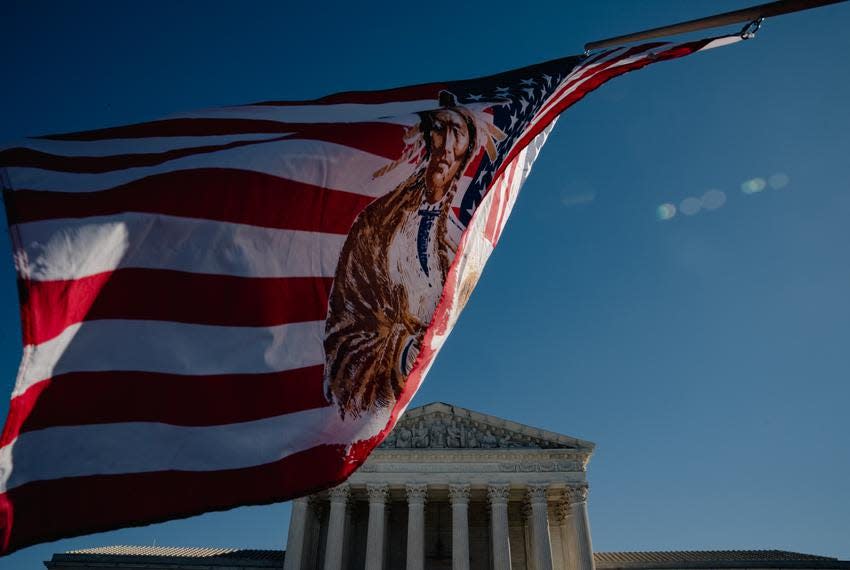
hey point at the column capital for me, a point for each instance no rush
(537, 493)
(416, 492)
(303, 500)
(340, 493)
(377, 492)
(563, 510)
(459, 493)
(577, 493)
(498, 493)
(318, 507)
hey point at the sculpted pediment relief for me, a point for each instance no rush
(442, 426)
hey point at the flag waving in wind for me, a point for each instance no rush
(234, 306)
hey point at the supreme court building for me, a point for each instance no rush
(453, 488)
(449, 489)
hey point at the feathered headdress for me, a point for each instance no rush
(487, 134)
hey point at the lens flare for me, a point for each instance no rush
(778, 180)
(690, 206)
(665, 211)
(713, 199)
(753, 185)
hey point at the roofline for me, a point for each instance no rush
(709, 564)
(60, 560)
(580, 444)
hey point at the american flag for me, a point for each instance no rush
(192, 289)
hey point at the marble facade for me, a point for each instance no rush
(452, 489)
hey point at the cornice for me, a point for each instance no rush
(560, 441)
(477, 455)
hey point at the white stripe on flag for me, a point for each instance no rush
(140, 447)
(324, 164)
(583, 77)
(720, 42)
(112, 147)
(74, 248)
(172, 348)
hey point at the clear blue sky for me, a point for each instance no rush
(706, 354)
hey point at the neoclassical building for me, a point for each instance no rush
(449, 489)
(453, 488)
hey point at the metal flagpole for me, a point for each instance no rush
(752, 14)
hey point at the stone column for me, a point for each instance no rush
(583, 555)
(541, 545)
(565, 519)
(417, 494)
(336, 526)
(459, 496)
(315, 515)
(498, 495)
(297, 534)
(346, 537)
(375, 533)
(526, 531)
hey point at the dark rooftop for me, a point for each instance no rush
(705, 556)
(604, 560)
(168, 557)
(715, 559)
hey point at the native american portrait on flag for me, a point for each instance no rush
(396, 258)
(247, 298)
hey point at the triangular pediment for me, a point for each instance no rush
(443, 426)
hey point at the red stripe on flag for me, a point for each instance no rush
(213, 127)
(178, 128)
(27, 157)
(506, 198)
(84, 398)
(497, 207)
(490, 224)
(223, 194)
(382, 139)
(49, 510)
(167, 295)
(472, 168)
(591, 67)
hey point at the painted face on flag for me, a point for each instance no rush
(449, 145)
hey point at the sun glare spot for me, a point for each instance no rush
(713, 199)
(570, 200)
(778, 180)
(665, 211)
(690, 206)
(753, 185)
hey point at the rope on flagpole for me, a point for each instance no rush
(753, 16)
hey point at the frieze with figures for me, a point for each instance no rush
(440, 431)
